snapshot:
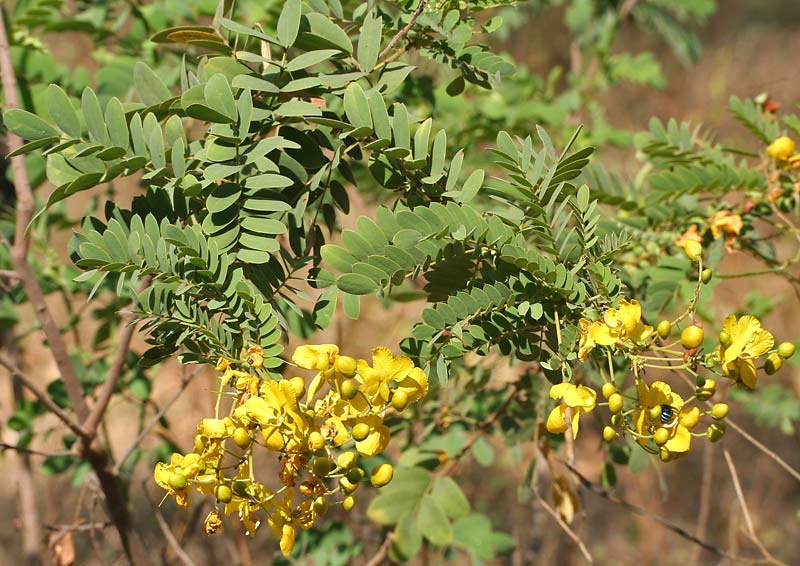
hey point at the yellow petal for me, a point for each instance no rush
(747, 373)
(287, 539)
(558, 390)
(603, 334)
(630, 312)
(690, 418)
(415, 384)
(555, 421)
(678, 445)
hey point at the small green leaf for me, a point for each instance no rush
(369, 42)
(117, 124)
(432, 522)
(328, 32)
(472, 185)
(289, 22)
(93, 117)
(219, 97)
(450, 498)
(356, 106)
(356, 284)
(149, 87)
(28, 126)
(62, 112)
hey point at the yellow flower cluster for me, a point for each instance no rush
(309, 428)
(655, 415)
(782, 151)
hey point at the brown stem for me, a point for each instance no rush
(704, 511)
(407, 28)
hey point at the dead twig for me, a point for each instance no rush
(168, 536)
(564, 526)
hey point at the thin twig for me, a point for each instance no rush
(170, 538)
(605, 494)
(383, 552)
(42, 396)
(407, 28)
(33, 452)
(746, 512)
(704, 510)
(156, 418)
(79, 527)
(780, 461)
(564, 527)
(127, 329)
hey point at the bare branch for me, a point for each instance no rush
(383, 552)
(564, 526)
(407, 28)
(170, 538)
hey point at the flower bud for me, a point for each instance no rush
(382, 475)
(786, 350)
(320, 505)
(705, 275)
(316, 441)
(773, 363)
(348, 503)
(661, 436)
(664, 328)
(346, 460)
(178, 482)
(349, 389)
(321, 467)
(306, 488)
(608, 390)
(360, 432)
(719, 411)
(199, 445)
(691, 337)
(694, 250)
(724, 339)
(223, 493)
(241, 437)
(617, 420)
(655, 412)
(346, 365)
(715, 431)
(616, 403)
(273, 439)
(356, 475)
(399, 400)
(298, 386)
(609, 433)
(347, 486)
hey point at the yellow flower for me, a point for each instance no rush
(748, 341)
(781, 149)
(319, 357)
(674, 417)
(586, 343)
(689, 235)
(726, 221)
(276, 411)
(216, 428)
(415, 385)
(385, 369)
(579, 398)
(255, 356)
(377, 439)
(624, 322)
(186, 466)
(212, 523)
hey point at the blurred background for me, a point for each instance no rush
(748, 48)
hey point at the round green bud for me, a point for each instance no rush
(346, 365)
(349, 389)
(773, 363)
(360, 432)
(349, 502)
(608, 390)
(616, 403)
(241, 437)
(240, 488)
(316, 441)
(617, 420)
(724, 339)
(178, 482)
(786, 350)
(321, 467)
(705, 275)
(382, 475)
(356, 475)
(320, 505)
(701, 381)
(223, 493)
(661, 436)
(399, 400)
(691, 337)
(609, 434)
(346, 460)
(715, 431)
(719, 411)
(664, 328)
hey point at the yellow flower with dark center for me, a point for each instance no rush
(673, 416)
(385, 369)
(781, 149)
(748, 341)
(579, 398)
(727, 222)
